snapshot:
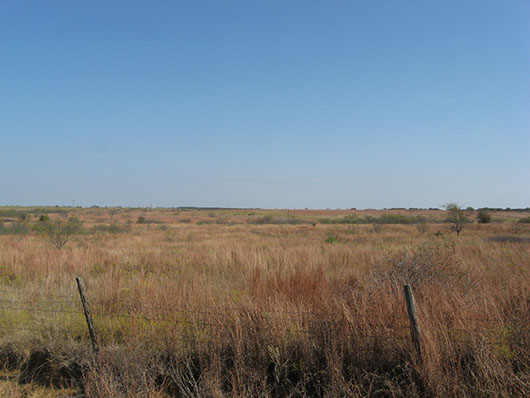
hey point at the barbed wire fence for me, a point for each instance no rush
(69, 310)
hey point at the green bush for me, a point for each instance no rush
(509, 239)
(16, 228)
(288, 220)
(58, 232)
(261, 220)
(383, 219)
(484, 216)
(206, 222)
(351, 219)
(113, 228)
(331, 239)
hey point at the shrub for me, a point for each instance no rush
(399, 219)
(331, 239)
(286, 220)
(144, 220)
(58, 232)
(351, 229)
(113, 228)
(377, 227)
(278, 220)
(428, 264)
(383, 219)
(422, 226)
(19, 229)
(24, 215)
(351, 219)
(484, 216)
(261, 220)
(113, 212)
(516, 227)
(509, 239)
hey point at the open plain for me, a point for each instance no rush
(272, 303)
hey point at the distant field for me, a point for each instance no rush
(279, 303)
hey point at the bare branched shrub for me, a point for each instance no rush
(351, 230)
(428, 264)
(169, 235)
(516, 227)
(58, 232)
(422, 226)
(377, 227)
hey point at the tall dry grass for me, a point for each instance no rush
(217, 309)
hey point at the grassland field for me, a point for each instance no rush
(263, 303)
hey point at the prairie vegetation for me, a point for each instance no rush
(244, 302)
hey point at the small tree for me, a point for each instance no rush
(58, 232)
(456, 216)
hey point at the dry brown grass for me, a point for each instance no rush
(269, 310)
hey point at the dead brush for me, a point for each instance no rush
(429, 264)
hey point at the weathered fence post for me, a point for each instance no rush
(88, 316)
(414, 326)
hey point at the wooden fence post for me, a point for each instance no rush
(414, 326)
(88, 316)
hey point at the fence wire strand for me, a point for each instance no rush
(310, 323)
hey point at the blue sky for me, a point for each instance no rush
(275, 104)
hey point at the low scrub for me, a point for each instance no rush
(145, 220)
(509, 239)
(113, 228)
(383, 219)
(428, 264)
(484, 216)
(15, 228)
(276, 220)
(58, 232)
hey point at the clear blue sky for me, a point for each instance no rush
(318, 104)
